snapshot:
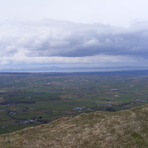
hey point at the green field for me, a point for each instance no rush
(29, 99)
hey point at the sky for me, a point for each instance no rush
(73, 33)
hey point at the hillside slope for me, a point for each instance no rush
(94, 130)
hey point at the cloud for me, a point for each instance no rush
(61, 41)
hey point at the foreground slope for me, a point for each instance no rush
(94, 130)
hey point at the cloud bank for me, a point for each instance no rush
(52, 41)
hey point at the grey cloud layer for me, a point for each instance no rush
(65, 39)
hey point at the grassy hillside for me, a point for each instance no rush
(126, 129)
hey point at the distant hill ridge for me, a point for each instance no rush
(123, 129)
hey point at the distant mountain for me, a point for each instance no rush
(123, 129)
(71, 69)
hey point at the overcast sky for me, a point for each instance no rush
(89, 33)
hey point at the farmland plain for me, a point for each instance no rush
(29, 99)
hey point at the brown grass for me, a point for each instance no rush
(124, 129)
